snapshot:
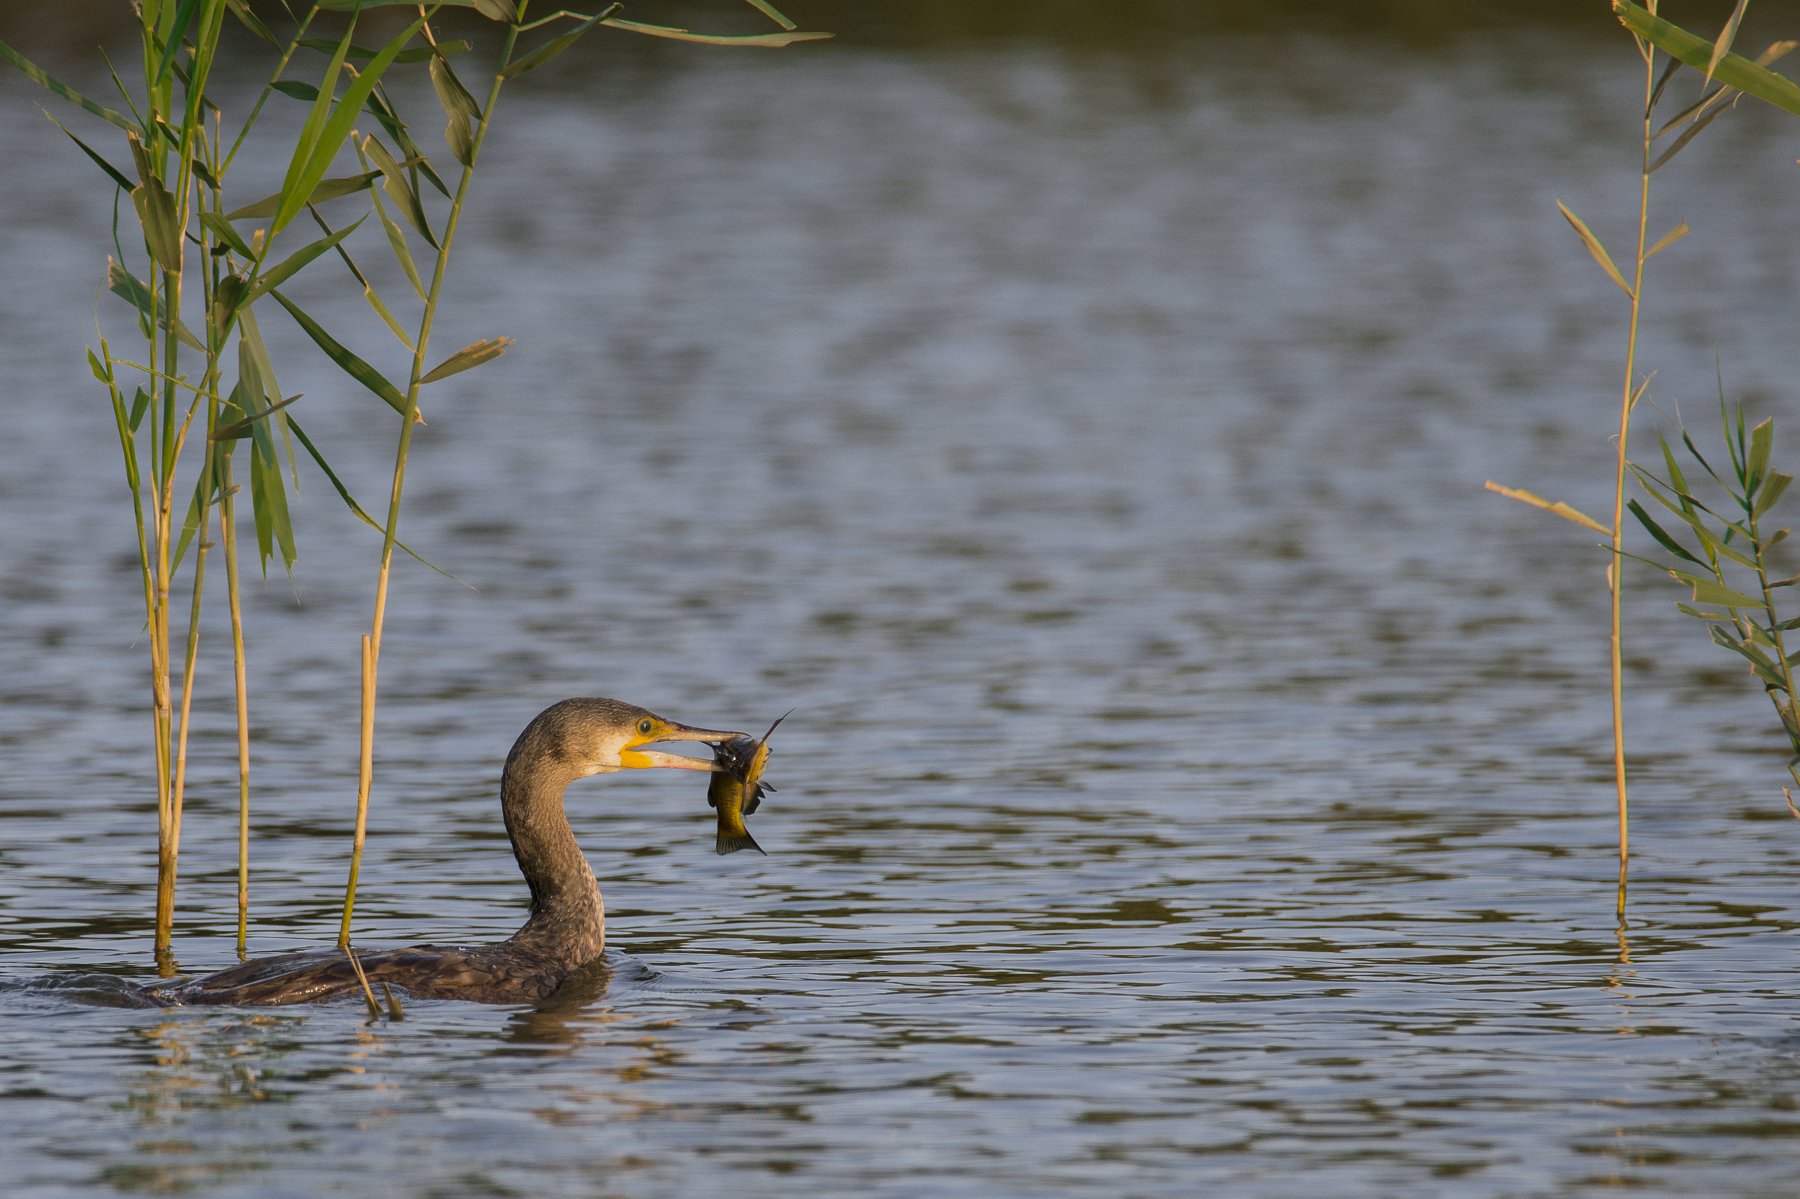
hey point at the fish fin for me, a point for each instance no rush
(730, 841)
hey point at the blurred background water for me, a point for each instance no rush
(1198, 784)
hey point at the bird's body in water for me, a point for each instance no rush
(566, 930)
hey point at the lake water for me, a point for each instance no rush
(1198, 784)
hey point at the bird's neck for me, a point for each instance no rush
(567, 920)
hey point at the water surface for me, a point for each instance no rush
(1198, 785)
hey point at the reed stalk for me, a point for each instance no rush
(1629, 392)
(1745, 623)
(1734, 73)
(467, 132)
(416, 375)
(228, 546)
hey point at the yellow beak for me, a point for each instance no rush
(632, 758)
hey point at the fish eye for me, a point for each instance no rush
(646, 726)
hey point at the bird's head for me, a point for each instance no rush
(598, 736)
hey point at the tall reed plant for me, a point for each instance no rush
(1631, 390)
(1664, 49)
(197, 272)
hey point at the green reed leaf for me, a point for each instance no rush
(291, 265)
(1662, 537)
(1662, 81)
(1760, 664)
(452, 95)
(1556, 509)
(312, 131)
(226, 298)
(1703, 614)
(237, 430)
(461, 140)
(459, 106)
(135, 291)
(156, 210)
(1727, 35)
(336, 483)
(1742, 559)
(257, 390)
(1676, 478)
(1756, 464)
(414, 157)
(356, 509)
(1668, 239)
(1689, 134)
(190, 521)
(401, 191)
(1597, 250)
(468, 358)
(274, 526)
(497, 10)
(1736, 447)
(410, 55)
(1732, 69)
(555, 45)
(156, 215)
(768, 10)
(304, 176)
(1772, 491)
(381, 310)
(184, 16)
(1690, 511)
(117, 175)
(222, 231)
(327, 190)
(674, 33)
(1709, 591)
(241, 10)
(297, 89)
(353, 5)
(250, 340)
(402, 252)
(126, 430)
(352, 365)
(1688, 442)
(57, 88)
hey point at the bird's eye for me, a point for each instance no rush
(645, 727)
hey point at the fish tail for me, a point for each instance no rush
(731, 840)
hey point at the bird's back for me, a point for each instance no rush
(484, 974)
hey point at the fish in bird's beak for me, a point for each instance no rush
(737, 789)
(654, 730)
